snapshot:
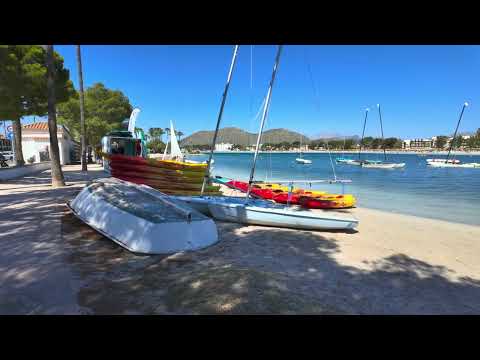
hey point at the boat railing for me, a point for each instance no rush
(329, 181)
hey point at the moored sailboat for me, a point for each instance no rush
(453, 163)
(251, 211)
(382, 164)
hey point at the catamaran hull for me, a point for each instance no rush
(384, 166)
(259, 212)
(303, 161)
(138, 234)
(255, 215)
(456, 165)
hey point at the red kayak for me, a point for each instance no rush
(282, 198)
(313, 203)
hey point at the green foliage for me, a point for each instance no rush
(23, 81)
(155, 133)
(441, 141)
(156, 146)
(105, 110)
(367, 141)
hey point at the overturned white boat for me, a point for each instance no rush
(141, 219)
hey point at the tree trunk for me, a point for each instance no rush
(57, 174)
(17, 143)
(82, 106)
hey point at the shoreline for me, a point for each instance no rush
(396, 152)
(232, 192)
(378, 269)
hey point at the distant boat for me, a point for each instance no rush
(301, 160)
(175, 151)
(141, 219)
(442, 164)
(358, 161)
(382, 164)
(452, 163)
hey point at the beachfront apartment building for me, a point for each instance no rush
(416, 144)
(223, 147)
(419, 143)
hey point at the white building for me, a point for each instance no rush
(223, 147)
(36, 143)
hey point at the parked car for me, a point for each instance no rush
(8, 155)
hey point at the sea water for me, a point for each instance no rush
(451, 194)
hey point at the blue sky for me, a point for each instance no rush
(421, 88)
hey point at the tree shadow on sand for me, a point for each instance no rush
(258, 271)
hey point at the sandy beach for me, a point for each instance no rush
(51, 263)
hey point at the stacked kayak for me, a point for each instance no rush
(305, 198)
(168, 176)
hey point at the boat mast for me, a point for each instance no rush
(363, 131)
(381, 127)
(456, 129)
(219, 119)
(264, 116)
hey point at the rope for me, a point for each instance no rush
(316, 97)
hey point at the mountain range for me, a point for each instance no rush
(238, 136)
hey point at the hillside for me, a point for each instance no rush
(238, 136)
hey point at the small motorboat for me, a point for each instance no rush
(142, 219)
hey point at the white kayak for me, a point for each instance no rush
(142, 219)
(383, 165)
(261, 212)
(303, 161)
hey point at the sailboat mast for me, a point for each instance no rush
(456, 129)
(381, 127)
(219, 119)
(363, 131)
(264, 116)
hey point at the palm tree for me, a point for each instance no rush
(179, 134)
(57, 174)
(156, 133)
(82, 106)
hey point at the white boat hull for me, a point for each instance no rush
(456, 165)
(161, 225)
(451, 161)
(303, 161)
(383, 165)
(260, 212)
